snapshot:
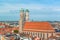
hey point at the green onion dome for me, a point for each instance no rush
(22, 10)
(27, 10)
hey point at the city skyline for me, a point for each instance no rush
(41, 10)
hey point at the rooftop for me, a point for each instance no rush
(38, 26)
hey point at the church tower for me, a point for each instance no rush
(24, 17)
(21, 21)
(27, 15)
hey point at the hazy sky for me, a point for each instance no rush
(40, 10)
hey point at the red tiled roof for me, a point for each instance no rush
(58, 34)
(38, 26)
(8, 30)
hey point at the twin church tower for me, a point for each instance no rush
(24, 17)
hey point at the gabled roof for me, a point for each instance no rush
(8, 30)
(38, 26)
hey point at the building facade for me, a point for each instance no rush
(42, 30)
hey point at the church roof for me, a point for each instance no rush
(38, 26)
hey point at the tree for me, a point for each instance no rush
(16, 31)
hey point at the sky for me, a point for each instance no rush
(40, 10)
